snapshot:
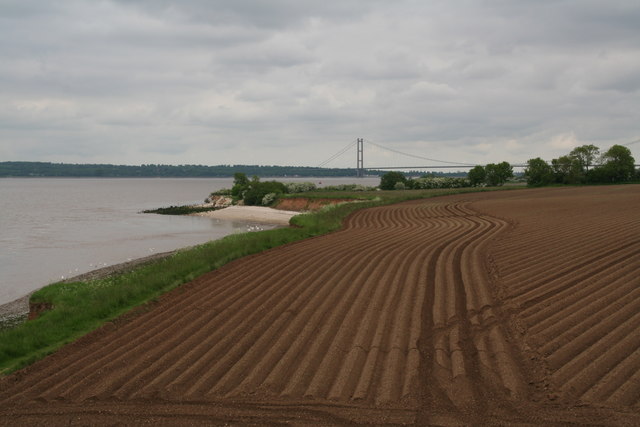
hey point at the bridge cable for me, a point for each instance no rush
(338, 154)
(419, 157)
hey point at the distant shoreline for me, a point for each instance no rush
(48, 169)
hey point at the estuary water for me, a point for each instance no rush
(55, 228)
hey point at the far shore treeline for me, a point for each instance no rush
(47, 169)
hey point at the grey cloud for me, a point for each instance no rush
(274, 14)
(165, 81)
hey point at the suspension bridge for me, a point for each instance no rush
(417, 160)
(359, 145)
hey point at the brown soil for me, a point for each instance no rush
(36, 309)
(516, 307)
(300, 204)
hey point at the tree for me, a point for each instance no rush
(497, 174)
(477, 176)
(538, 173)
(585, 155)
(388, 180)
(257, 190)
(567, 170)
(240, 184)
(618, 164)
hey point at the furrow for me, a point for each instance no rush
(615, 379)
(353, 316)
(562, 262)
(622, 333)
(286, 283)
(310, 318)
(474, 276)
(506, 365)
(445, 281)
(299, 381)
(559, 282)
(329, 365)
(369, 320)
(158, 356)
(614, 354)
(353, 378)
(585, 306)
(145, 324)
(629, 393)
(398, 339)
(208, 355)
(587, 337)
(564, 249)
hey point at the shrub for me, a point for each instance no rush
(257, 190)
(268, 199)
(388, 180)
(347, 187)
(434, 183)
(300, 187)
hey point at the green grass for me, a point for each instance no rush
(81, 307)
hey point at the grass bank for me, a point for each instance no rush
(81, 307)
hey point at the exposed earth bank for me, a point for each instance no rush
(301, 204)
(516, 307)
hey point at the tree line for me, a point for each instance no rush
(584, 165)
(47, 169)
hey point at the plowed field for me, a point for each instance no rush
(508, 307)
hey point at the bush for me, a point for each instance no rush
(389, 180)
(435, 183)
(300, 187)
(257, 190)
(268, 199)
(346, 187)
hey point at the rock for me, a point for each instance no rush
(218, 201)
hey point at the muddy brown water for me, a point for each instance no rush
(516, 307)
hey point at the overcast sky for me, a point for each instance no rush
(292, 82)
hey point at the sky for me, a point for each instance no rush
(293, 82)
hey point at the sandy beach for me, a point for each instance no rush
(252, 213)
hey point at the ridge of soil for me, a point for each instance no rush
(494, 308)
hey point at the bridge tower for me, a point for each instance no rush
(360, 161)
